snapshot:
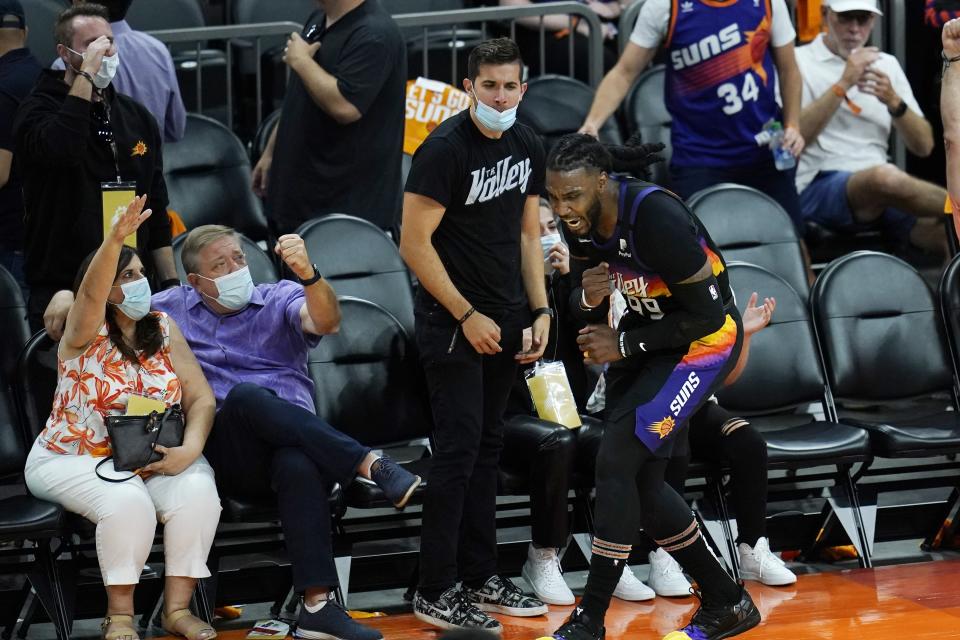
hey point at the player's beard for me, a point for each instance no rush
(593, 213)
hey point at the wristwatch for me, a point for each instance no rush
(899, 111)
(316, 277)
(543, 311)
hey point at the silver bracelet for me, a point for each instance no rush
(583, 301)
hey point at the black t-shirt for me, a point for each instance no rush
(321, 166)
(662, 244)
(484, 185)
(19, 71)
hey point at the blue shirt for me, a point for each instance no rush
(720, 81)
(146, 74)
(264, 343)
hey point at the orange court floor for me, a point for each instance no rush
(896, 602)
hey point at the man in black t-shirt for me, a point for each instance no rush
(18, 73)
(471, 233)
(339, 142)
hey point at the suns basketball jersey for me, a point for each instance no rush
(720, 81)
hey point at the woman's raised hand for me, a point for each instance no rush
(130, 220)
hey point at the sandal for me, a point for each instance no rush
(118, 627)
(186, 625)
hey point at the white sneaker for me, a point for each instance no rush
(759, 563)
(666, 576)
(631, 589)
(542, 573)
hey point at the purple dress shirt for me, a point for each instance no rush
(264, 343)
(146, 74)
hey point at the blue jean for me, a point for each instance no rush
(262, 446)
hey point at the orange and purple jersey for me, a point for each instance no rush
(720, 81)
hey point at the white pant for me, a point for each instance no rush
(126, 514)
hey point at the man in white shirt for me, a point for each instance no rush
(852, 95)
(725, 61)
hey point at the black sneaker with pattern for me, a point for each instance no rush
(716, 622)
(500, 595)
(579, 627)
(453, 611)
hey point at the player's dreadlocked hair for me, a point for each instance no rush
(580, 151)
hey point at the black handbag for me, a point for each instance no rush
(133, 439)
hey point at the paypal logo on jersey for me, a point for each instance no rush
(488, 183)
(708, 47)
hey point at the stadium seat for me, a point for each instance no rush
(208, 179)
(41, 16)
(883, 341)
(169, 14)
(949, 294)
(645, 111)
(556, 105)
(367, 384)
(360, 260)
(750, 226)
(784, 373)
(257, 11)
(259, 142)
(187, 56)
(263, 269)
(23, 517)
(888, 360)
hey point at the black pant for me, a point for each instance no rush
(545, 453)
(468, 395)
(716, 435)
(779, 185)
(262, 446)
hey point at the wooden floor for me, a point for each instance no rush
(904, 601)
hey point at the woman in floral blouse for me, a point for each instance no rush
(113, 349)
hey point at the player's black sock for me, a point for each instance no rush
(606, 566)
(690, 550)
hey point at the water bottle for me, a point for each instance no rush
(782, 158)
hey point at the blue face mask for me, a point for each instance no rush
(136, 299)
(234, 290)
(495, 120)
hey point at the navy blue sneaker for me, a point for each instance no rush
(397, 483)
(332, 623)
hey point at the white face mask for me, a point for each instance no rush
(548, 241)
(234, 289)
(495, 120)
(107, 71)
(136, 299)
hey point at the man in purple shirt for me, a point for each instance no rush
(146, 71)
(252, 342)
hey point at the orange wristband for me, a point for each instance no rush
(840, 93)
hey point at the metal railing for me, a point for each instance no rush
(574, 11)
(233, 36)
(433, 32)
(625, 27)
